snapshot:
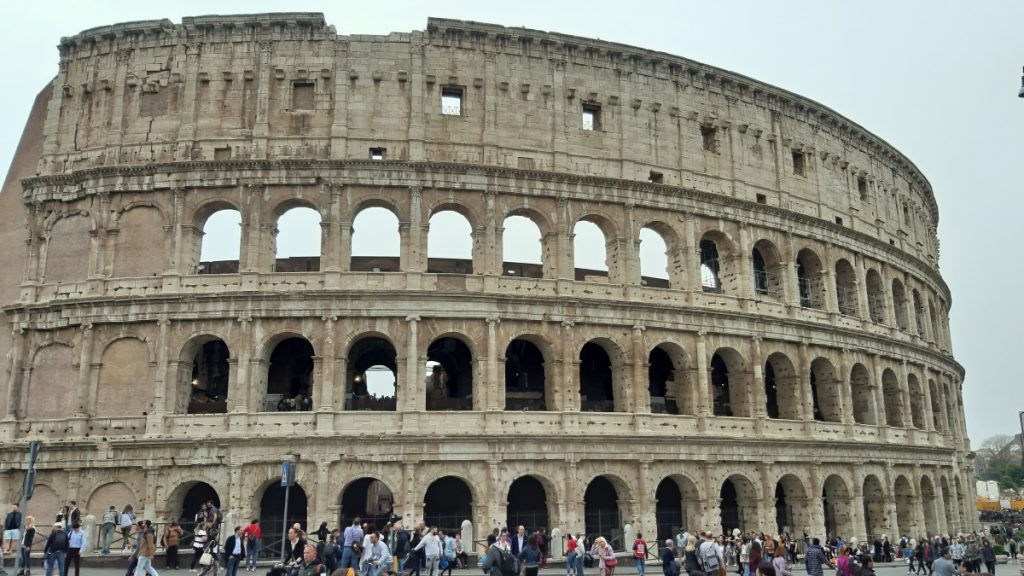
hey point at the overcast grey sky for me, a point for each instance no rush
(937, 79)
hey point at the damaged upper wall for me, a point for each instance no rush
(274, 86)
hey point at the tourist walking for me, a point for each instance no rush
(25, 547)
(12, 528)
(213, 549)
(127, 520)
(431, 546)
(147, 549)
(943, 565)
(352, 540)
(988, 556)
(54, 550)
(690, 562)
(669, 564)
(234, 550)
(640, 553)
(782, 565)
(844, 562)
(171, 541)
(605, 556)
(814, 557)
(530, 558)
(253, 541)
(76, 541)
(199, 538)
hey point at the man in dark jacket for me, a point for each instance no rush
(234, 551)
(815, 557)
(402, 547)
(55, 549)
(669, 566)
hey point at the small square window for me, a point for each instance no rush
(378, 153)
(656, 178)
(591, 117)
(709, 138)
(862, 188)
(799, 162)
(762, 199)
(303, 96)
(451, 101)
(839, 220)
(892, 242)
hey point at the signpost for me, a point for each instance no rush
(26, 494)
(287, 481)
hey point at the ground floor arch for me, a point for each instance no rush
(198, 493)
(601, 513)
(527, 504)
(272, 516)
(738, 501)
(930, 506)
(906, 503)
(835, 503)
(874, 508)
(791, 505)
(447, 503)
(368, 499)
(677, 502)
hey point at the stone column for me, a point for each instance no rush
(704, 407)
(337, 241)
(647, 520)
(908, 402)
(570, 369)
(711, 507)
(495, 398)
(858, 522)
(929, 411)
(154, 421)
(84, 370)
(631, 259)
(878, 396)
(571, 508)
(566, 268)
(641, 397)
(177, 258)
(759, 408)
(806, 398)
(844, 390)
(816, 514)
(17, 377)
(491, 247)
(691, 252)
(414, 252)
(766, 504)
(746, 288)
(415, 399)
(890, 501)
(241, 397)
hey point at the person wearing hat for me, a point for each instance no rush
(55, 549)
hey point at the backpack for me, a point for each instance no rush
(639, 549)
(330, 549)
(508, 564)
(709, 557)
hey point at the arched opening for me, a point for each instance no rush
(728, 386)
(893, 399)
(874, 508)
(809, 276)
(368, 499)
(899, 302)
(290, 377)
(906, 503)
(835, 501)
(372, 375)
(783, 511)
(791, 505)
(208, 384)
(447, 504)
(846, 289)
(524, 376)
(767, 265)
(272, 517)
(876, 297)
(601, 510)
(919, 313)
(200, 493)
(930, 506)
(449, 375)
(527, 504)
(653, 259)
(522, 248)
(597, 384)
(825, 386)
(221, 245)
(590, 251)
(710, 266)
(449, 244)
(916, 402)
(376, 241)
(738, 504)
(863, 403)
(661, 383)
(298, 241)
(782, 388)
(676, 501)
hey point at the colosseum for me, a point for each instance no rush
(790, 369)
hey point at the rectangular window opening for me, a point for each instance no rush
(762, 199)
(839, 220)
(378, 153)
(303, 96)
(798, 163)
(591, 117)
(656, 178)
(451, 101)
(862, 188)
(708, 138)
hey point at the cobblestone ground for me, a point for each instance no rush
(111, 568)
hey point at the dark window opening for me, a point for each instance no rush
(783, 511)
(449, 375)
(720, 386)
(809, 280)
(762, 199)
(732, 513)
(661, 384)
(303, 96)
(839, 220)
(199, 494)
(372, 376)
(524, 377)
(272, 510)
(447, 504)
(862, 188)
(451, 101)
(591, 117)
(601, 511)
(290, 377)
(378, 153)
(799, 161)
(771, 391)
(656, 177)
(597, 392)
(209, 387)
(709, 139)
(669, 510)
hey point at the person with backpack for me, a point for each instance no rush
(253, 535)
(55, 549)
(498, 561)
(814, 557)
(640, 553)
(710, 559)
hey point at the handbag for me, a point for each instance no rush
(206, 559)
(611, 562)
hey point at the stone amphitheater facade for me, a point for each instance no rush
(794, 370)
